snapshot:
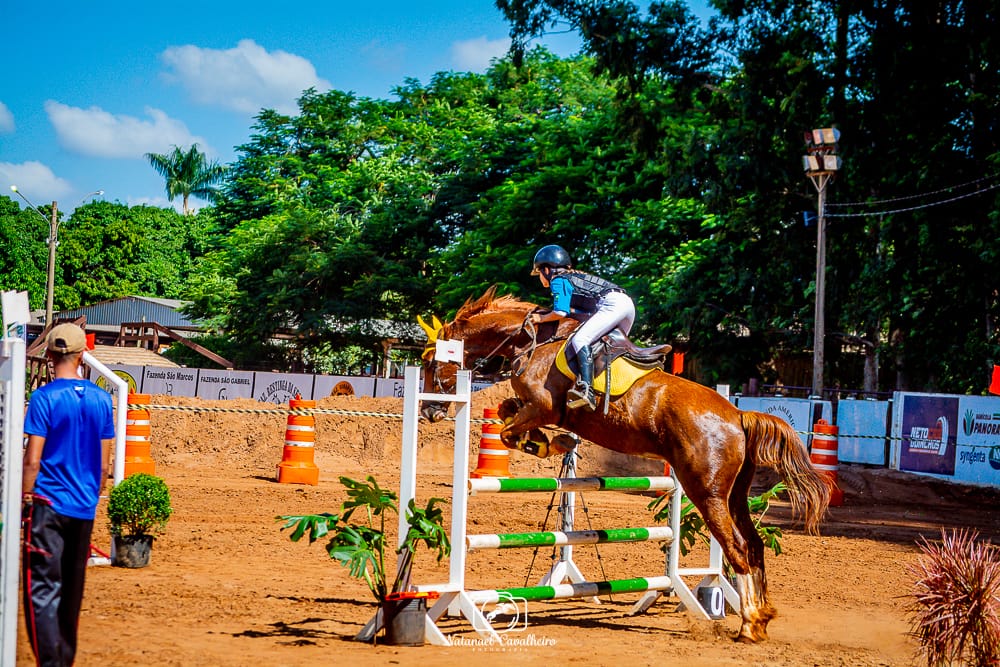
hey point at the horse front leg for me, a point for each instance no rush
(521, 431)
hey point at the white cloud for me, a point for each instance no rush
(96, 132)
(474, 55)
(6, 119)
(33, 180)
(247, 78)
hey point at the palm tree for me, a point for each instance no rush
(187, 174)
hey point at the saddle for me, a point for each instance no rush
(618, 362)
(616, 344)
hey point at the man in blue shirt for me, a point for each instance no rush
(69, 424)
(603, 304)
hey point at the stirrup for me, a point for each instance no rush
(581, 396)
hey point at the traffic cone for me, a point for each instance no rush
(297, 465)
(137, 433)
(825, 459)
(666, 473)
(494, 458)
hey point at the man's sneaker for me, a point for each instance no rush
(581, 396)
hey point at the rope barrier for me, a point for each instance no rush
(290, 411)
(394, 415)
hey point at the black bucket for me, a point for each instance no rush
(132, 550)
(404, 617)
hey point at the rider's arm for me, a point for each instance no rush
(562, 293)
(550, 316)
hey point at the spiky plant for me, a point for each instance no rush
(955, 611)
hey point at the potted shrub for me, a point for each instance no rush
(138, 509)
(360, 545)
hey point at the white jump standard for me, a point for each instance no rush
(456, 600)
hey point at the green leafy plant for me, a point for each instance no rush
(955, 607)
(692, 525)
(361, 545)
(139, 505)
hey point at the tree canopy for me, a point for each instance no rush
(666, 157)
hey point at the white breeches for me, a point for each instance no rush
(614, 310)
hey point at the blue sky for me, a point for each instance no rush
(89, 89)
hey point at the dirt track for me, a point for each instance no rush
(227, 588)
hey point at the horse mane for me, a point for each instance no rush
(490, 302)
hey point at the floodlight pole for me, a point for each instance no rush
(819, 329)
(821, 165)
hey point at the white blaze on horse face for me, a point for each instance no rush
(716, 431)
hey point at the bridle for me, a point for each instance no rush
(520, 360)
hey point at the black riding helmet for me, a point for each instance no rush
(553, 256)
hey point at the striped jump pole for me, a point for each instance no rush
(575, 484)
(564, 591)
(558, 538)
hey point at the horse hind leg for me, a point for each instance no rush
(755, 582)
(755, 611)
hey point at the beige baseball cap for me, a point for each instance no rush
(66, 339)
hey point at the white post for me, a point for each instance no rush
(12, 351)
(121, 400)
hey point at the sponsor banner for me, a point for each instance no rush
(393, 387)
(857, 422)
(389, 387)
(131, 374)
(341, 385)
(978, 440)
(169, 381)
(925, 427)
(279, 388)
(220, 385)
(800, 413)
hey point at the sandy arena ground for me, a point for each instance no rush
(226, 587)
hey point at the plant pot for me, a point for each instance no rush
(132, 550)
(404, 617)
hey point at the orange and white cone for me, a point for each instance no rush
(137, 437)
(494, 458)
(824, 457)
(297, 465)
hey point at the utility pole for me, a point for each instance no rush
(53, 242)
(821, 165)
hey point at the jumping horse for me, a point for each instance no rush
(713, 447)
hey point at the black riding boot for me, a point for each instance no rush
(582, 394)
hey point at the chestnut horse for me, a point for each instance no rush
(713, 447)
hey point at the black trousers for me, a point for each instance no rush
(54, 565)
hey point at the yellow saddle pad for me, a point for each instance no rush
(624, 373)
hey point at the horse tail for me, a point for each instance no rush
(773, 443)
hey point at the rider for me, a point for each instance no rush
(603, 305)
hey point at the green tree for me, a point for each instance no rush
(23, 251)
(109, 250)
(188, 173)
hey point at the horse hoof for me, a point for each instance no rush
(434, 416)
(563, 443)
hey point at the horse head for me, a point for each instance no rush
(489, 327)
